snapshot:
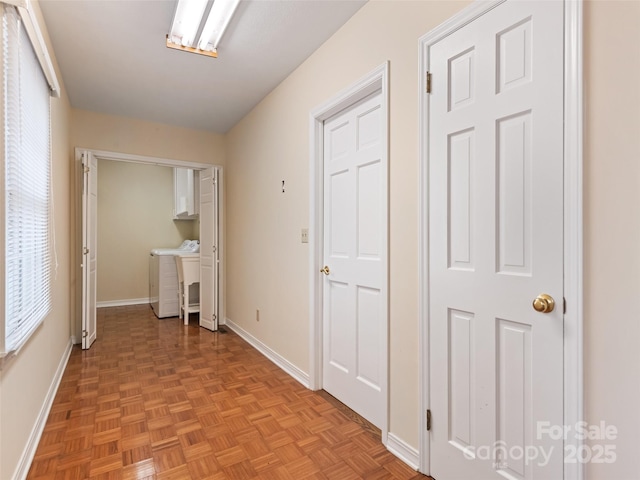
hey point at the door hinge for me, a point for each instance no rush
(85, 168)
(85, 334)
(428, 420)
(428, 82)
(215, 317)
(85, 250)
(564, 305)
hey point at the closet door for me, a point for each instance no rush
(209, 248)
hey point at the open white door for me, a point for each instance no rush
(209, 248)
(89, 247)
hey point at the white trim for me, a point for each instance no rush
(403, 451)
(275, 357)
(461, 19)
(573, 223)
(376, 80)
(222, 312)
(41, 420)
(31, 25)
(122, 303)
(128, 157)
(573, 230)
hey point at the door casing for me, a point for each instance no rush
(378, 79)
(76, 335)
(573, 243)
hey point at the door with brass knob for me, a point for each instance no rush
(493, 252)
(544, 303)
(354, 268)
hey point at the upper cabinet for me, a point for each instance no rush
(186, 186)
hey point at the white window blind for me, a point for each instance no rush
(27, 185)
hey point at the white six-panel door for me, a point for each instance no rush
(355, 226)
(496, 243)
(209, 249)
(90, 247)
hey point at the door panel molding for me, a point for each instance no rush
(376, 80)
(209, 249)
(89, 164)
(573, 238)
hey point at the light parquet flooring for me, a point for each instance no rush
(154, 399)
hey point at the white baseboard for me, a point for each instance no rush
(403, 451)
(34, 438)
(122, 303)
(280, 361)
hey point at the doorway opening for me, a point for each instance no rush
(349, 109)
(209, 228)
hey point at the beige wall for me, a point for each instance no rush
(135, 214)
(268, 267)
(612, 229)
(26, 379)
(138, 137)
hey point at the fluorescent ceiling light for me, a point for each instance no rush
(219, 18)
(188, 20)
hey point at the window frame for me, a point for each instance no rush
(29, 23)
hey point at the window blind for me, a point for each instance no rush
(27, 185)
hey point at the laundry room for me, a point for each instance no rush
(139, 199)
(136, 205)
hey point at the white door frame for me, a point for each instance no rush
(378, 79)
(573, 282)
(166, 162)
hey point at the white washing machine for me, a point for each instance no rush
(163, 278)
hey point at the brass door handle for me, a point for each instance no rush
(544, 303)
(325, 270)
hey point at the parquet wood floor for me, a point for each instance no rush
(154, 399)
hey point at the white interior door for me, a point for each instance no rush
(496, 243)
(209, 248)
(355, 255)
(89, 247)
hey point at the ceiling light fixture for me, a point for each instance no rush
(188, 20)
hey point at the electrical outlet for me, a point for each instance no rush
(304, 237)
(257, 315)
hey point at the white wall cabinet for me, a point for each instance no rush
(186, 186)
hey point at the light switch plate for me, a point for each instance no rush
(304, 237)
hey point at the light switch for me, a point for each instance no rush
(304, 237)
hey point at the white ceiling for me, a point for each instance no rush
(114, 60)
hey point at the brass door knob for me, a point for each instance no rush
(544, 303)
(325, 270)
